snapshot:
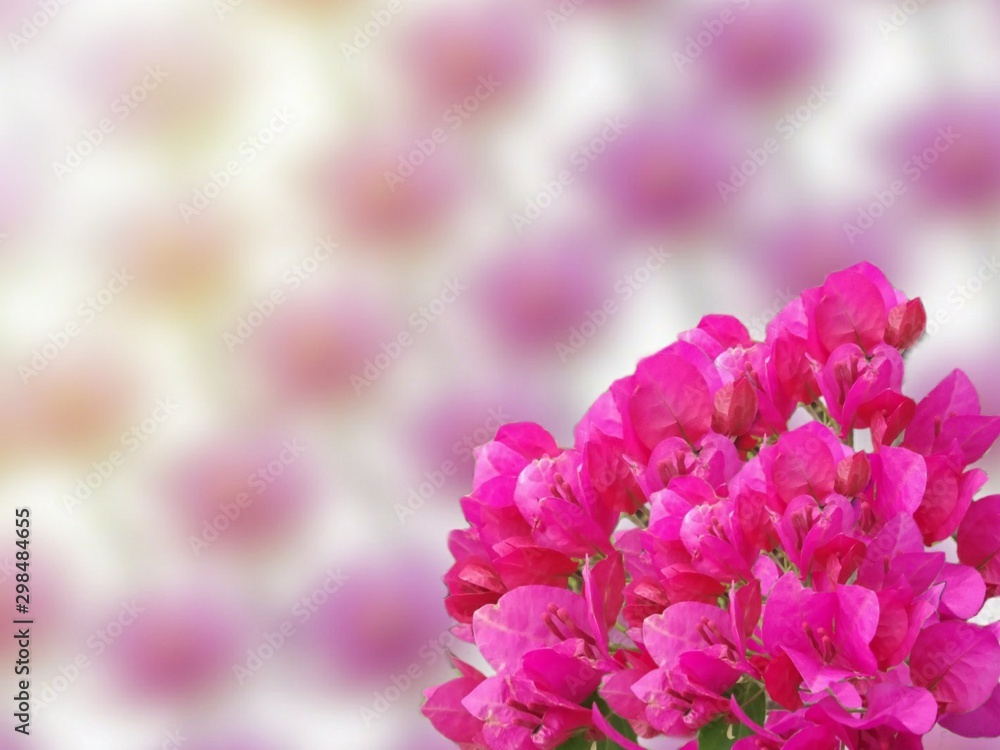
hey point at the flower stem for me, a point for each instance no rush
(818, 411)
(640, 518)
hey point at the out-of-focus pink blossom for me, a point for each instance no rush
(83, 399)
(314, 344)
(259, 484)
(378, 623)
(661, 173)
(176, 265)
(448, 427)
(767, 48)
(950, 153)
(375, 194)
(799, 253)
(452, 53)
(20, 190)
(540, 289)
(177, 646)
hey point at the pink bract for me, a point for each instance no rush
(694, 567)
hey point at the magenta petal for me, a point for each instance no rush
(727, 330)
(609, 731)
(617, 693)
(916, 572)
(486, 697)
(736, 405)
(964, 591)
(801, 464)
(601, 418)
(979, 540)
(567, 527)
(983, 722)
(496, 460)
(531, 565)
(974, 435)
(676, 631)
(948, 497)
(710, 672)
(853, 475)
(612, 476)
(907, 323)
(891, 296)
(857, 621)
(527, 438)
(904, 708)
(899, 536)
(559, 671)
(901, 707)
(506, 631)
(813, 738)
(953, 396)
(958, 662)
(671, 399)
(786, 609)
(445, 710)
(902, 479)
(849, 309)
(604, 590)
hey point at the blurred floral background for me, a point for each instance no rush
(270, 270)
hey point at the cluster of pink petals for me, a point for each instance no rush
(694, 566)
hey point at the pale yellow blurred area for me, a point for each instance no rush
(270, 269)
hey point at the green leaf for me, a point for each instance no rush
(621, 725)
(753, 700)
(577, 743)
(721, 734)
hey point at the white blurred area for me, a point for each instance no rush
(402, 220)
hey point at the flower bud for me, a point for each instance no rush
(906, 324)
(735, 407)
(853, 475)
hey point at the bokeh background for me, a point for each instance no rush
(269, 269)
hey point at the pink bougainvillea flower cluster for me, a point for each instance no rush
(740, 548)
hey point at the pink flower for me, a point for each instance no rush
(564, 516)
(983, 722)
(959, 663)
(655, 406)
(950, 414)
(771, 588)
(550, 648)
(802, 462)
(827, 636)
(445, 709)
(852, 307)
(979, 541)
(852, 381)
